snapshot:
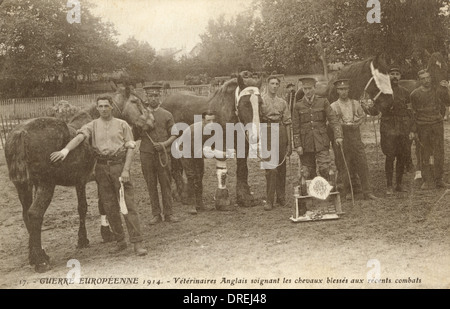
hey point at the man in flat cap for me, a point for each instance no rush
(154, 163)
(350, 115)
(311, 141)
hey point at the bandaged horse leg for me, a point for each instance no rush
(222, 197)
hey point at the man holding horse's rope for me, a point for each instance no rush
(113, 143)
(155, 161)
(275, 110)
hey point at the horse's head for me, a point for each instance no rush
(369, 81)
(248, 103)
(131, 108)
(378, 88)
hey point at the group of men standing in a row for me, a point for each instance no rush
(417, 116)
(313, 120)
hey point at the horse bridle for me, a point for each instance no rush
(366, 96)
(140, 107)
(250, 90)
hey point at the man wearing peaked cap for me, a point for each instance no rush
(154, 142)
(309, 118)
(351, 115)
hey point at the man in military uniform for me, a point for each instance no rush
(428, 105)
(275, 110)
(154, 163)
(395, 126)
(311, 140)
(350, 115)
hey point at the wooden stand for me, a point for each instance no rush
(329, 209)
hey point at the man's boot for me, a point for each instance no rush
(121, 245)
(139, 250)
(427, 178)
(441, 184)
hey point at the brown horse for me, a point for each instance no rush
(27, 153)
(227, 109)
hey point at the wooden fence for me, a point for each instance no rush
(14, 111)
(22, 108)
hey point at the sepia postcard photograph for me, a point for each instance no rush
(224, 145)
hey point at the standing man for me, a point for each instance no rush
(194, 166)
(428, 106)
(311, 141)
(155, 156)
(113, 144)
(350, 115)
(395, 126)
(275, 110)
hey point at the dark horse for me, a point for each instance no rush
(228, 107)
(362, 83)
(27, 153)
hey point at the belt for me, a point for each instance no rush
(268, 121)
(109, 162)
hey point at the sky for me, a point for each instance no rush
(165, 23)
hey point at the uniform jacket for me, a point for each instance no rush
(309, 123)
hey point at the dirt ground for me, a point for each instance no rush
(403, 238)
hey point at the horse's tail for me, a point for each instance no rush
(16, 156)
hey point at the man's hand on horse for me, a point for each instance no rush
(59, 155)
(299, 150)
(340, 142)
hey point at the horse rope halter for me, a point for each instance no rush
(252, 91)
(383, 84)
(140, 108)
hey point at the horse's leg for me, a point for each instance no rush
(43, 197)
(83, 241)
(222, 196)
(243, 195)
(179, 192)
(25, 192)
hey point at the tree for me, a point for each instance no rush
(38, 45)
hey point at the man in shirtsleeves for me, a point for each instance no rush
(311, 141)
(351, 115)
(113, 143)
(154, 162)
(275, 110)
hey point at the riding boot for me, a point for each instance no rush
(389, 170)
(399, 171)
(427, 176)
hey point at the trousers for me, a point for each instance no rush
(107, 178)
(154, 173)
(194, 169)
(276, 176)
(353, 149)
(431, 141)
